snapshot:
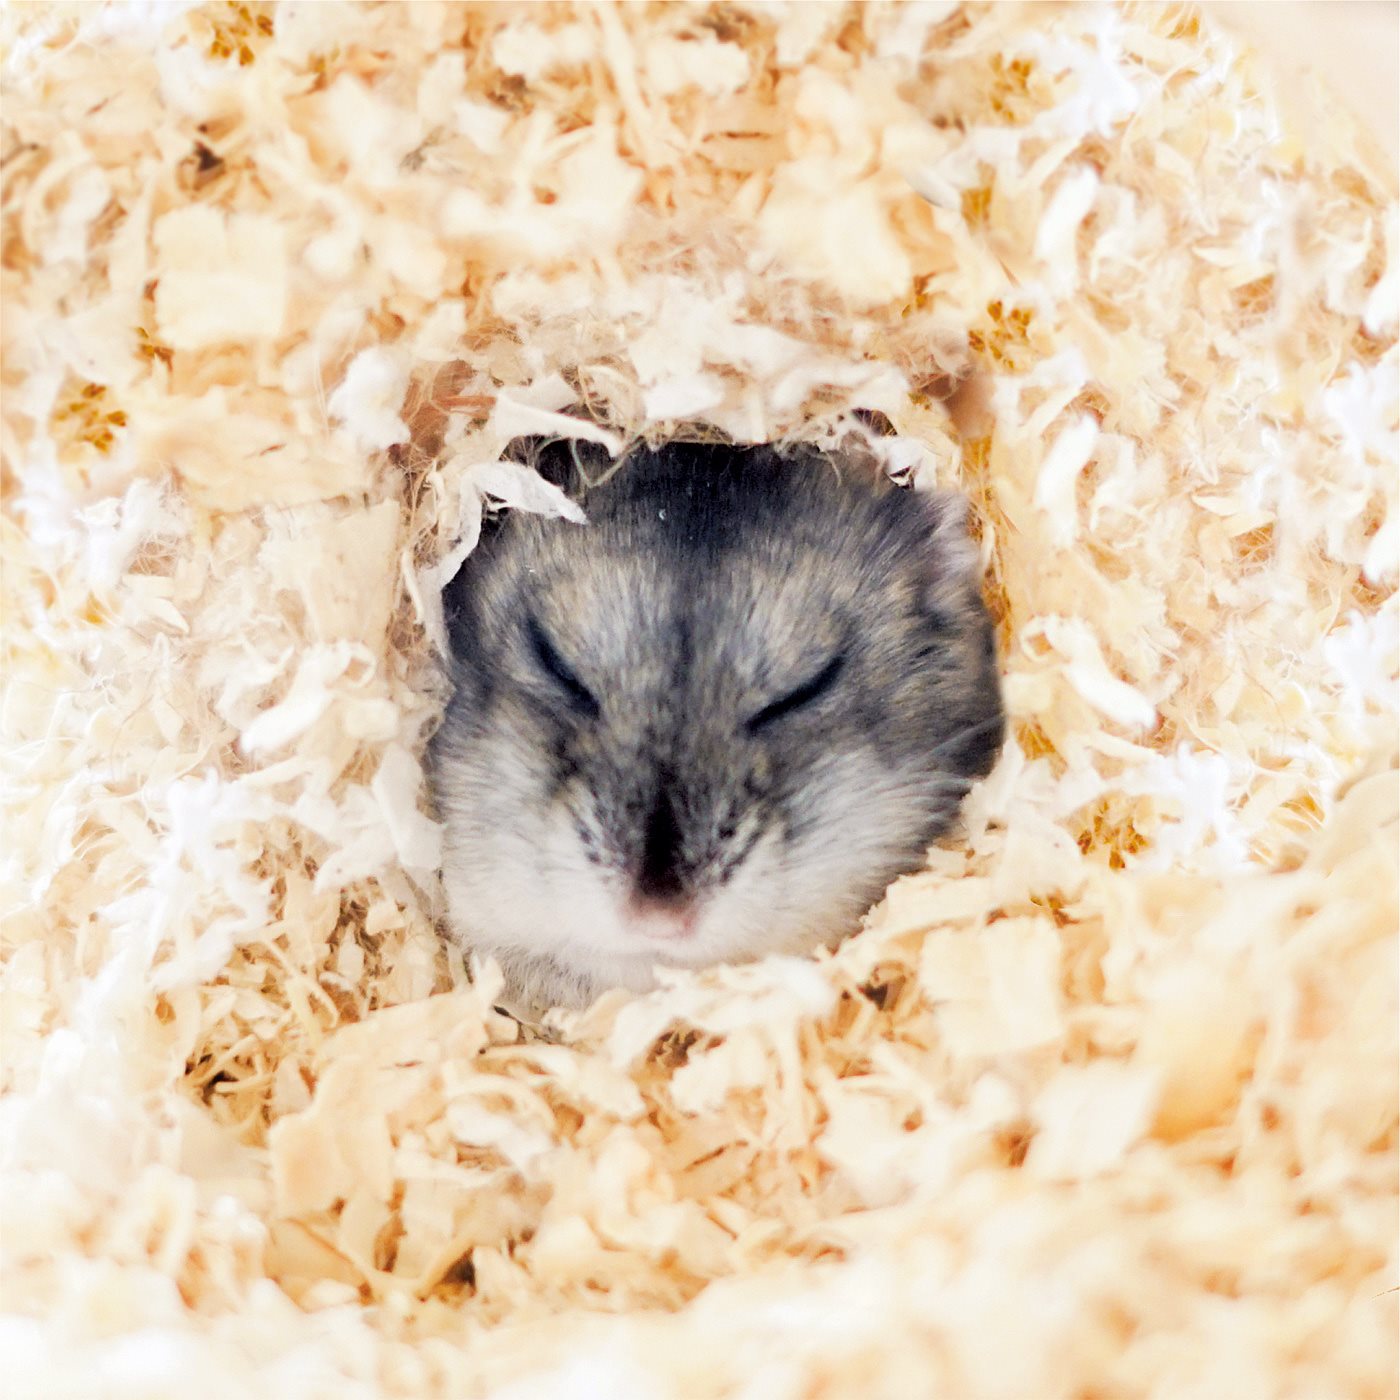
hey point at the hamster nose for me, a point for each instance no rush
(659, 878)
(664, 921)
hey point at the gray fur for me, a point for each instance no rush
(629, 762)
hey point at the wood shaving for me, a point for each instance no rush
(1104, 1101)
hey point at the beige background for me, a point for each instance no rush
(1352, 45)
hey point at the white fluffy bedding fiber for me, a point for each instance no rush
(1101, 1104)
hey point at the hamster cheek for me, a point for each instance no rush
(511, 876)
(852, 829)
(551, 900)
(741, 918)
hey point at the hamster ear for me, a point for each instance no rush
(950, 569)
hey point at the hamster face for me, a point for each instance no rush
(712, 723)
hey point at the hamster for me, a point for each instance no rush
(712, 723)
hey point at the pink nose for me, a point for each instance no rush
(665, 922)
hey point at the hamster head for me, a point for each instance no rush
(712, 723)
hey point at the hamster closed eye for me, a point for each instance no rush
(712, 723)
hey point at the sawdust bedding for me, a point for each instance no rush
(1102, 1103)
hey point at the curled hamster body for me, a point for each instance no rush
(712, 723)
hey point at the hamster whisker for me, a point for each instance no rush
(985, 726)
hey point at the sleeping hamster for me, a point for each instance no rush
(712, 723)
